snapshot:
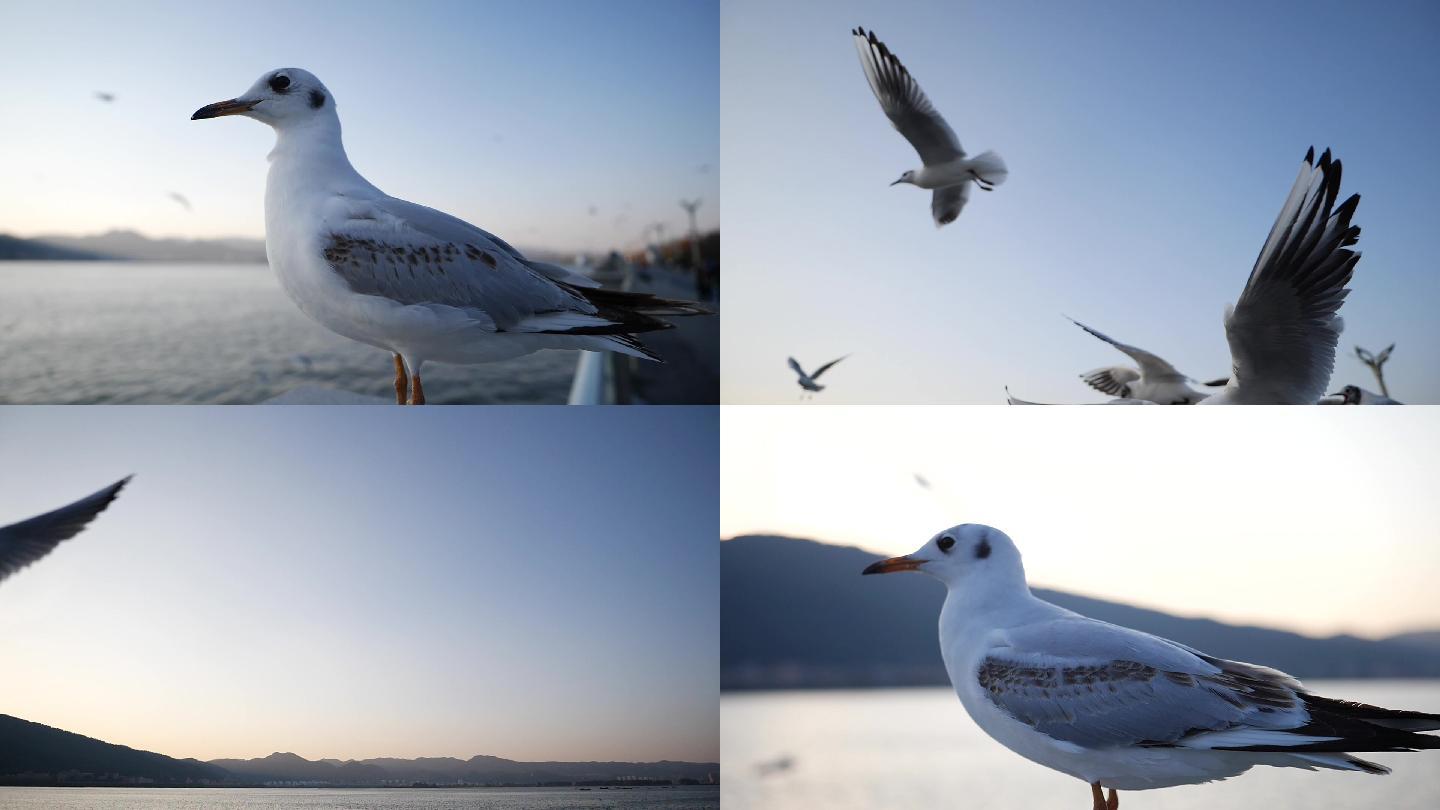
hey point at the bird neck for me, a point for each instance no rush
(314, 149)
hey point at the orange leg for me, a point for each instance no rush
(417, 393)
(402, 382)
(1101, 803)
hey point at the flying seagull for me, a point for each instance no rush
(946, 170)
(416, 282)
(1284, 329)
(1118, 708)
(1155, 380)
(105, 97)
(27, 541)
(808, 381)
(181, 199)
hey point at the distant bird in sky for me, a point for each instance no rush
(946, 170)
(106, 97)
(1155, 379)
(181, 199)
(1376, 364)
(27, 541)
(416, 282)
(1118, 708)
(808, 381)
(922, 481)
(1355, 395)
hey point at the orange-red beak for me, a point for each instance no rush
(892, 565)
(232, 107)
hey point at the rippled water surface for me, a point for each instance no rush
(917, 749)
(86, 332)
(676, 798)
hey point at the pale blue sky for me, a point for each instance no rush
(532, 583)
(1150, 147)
(515, 116)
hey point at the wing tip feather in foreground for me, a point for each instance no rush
(1285, 327)
(29, 540)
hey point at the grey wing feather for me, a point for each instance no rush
(27, 541)
(1112, 380)
(911, 113)
(795, 366)
(418, 256)
(947, 202)
(822, 369)
(1152, 368)
(1284, 328)
(1119, 687)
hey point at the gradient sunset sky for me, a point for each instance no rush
(1318, 520)
(356, 582)
(518, 117)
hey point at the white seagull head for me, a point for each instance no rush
(282, 98)
(971, 556)
(907, 177)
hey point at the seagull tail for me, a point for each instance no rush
(990, 167)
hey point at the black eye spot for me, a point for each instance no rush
(983, 549)
(946, 543)
(317, 99)
(279, 82)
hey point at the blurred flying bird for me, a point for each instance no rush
(1376, 362)
(106, 97)
(27, 541)
(808, 381)
(946, 170)
(180, 198)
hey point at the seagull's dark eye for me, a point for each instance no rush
(279, 82)
(982, 550)
(946, 543)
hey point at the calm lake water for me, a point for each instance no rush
(676, 798)
(139, 332)
(917, 749)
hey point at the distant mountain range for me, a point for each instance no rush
(35, 754)
(797, 614)
(132, 246)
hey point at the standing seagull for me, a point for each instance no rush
(1122, 709)
(807, 381)
(27, 541)
(1155, 380)
(946, 169)
(416, 282)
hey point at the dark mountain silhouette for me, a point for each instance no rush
(797, 614)
(33, 754)
(479, 770)
(15, 248)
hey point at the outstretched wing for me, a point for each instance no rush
(25, 542)
(795, 366)
(1152, 368)
(904, 103)
(822, 369)
(947, 202)
(1284, 328)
